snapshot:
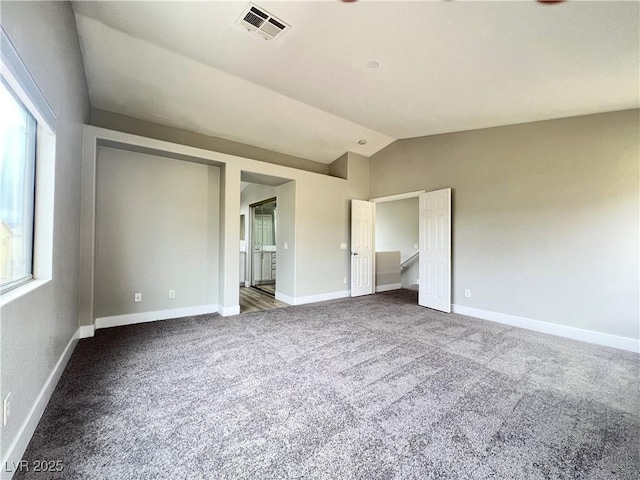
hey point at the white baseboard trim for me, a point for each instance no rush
(142, 317)
(28, 427)
(86, 331)
(285, 298)
(605, 339)
(229, 311)
(323, 297)
(386, 288)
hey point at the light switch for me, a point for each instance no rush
(343, 246)
(286, 246)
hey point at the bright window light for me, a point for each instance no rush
(17, 190)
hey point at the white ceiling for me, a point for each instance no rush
(444, 67)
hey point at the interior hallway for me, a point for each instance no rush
(253, 300)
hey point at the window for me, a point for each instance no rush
(17, 189)
(27, 178)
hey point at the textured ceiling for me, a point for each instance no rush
(444, 67)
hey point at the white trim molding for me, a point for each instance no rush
(313, 298)
(285, 298)
(86, 331)
(143, 317)
(399, 196)
(229, 311)
(15, 452)
(387, 287)
(605, 339)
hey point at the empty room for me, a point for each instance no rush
(320, 239)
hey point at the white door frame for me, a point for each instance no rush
(399, 196)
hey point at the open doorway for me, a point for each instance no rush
(264, 255)
(397, 244)
(266, 241)
(385, 241)
(432, 250)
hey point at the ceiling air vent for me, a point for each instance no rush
(260, 22)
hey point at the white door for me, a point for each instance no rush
(435, 250)
(362, 248)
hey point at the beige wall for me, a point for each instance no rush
(213, 234)
(36, 328)
(314, 266)
(387, 268)
(286, 263)
(155, 231)
(320, 209)
(340, 167)
(545, 215)
(323, 209)
(123, 123)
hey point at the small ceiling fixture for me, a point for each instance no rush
(372, 64)
(362, 142)
(258, 21)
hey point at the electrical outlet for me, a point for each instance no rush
(172, 294)
(467, 294)
(286, 246)
(137, 297)
(6, 409)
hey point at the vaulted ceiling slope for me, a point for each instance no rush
(443, 67)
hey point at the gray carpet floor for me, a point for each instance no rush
(372, 387)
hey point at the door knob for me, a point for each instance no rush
(354, 253)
